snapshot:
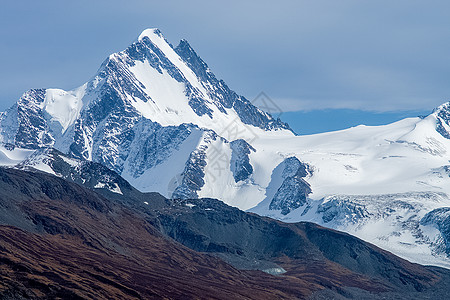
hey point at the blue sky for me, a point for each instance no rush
(366, 62)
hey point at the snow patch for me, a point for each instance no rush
(64, 107)
(115, 188)
(11, 157)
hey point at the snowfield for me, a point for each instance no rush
(374, 182)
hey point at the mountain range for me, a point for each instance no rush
(156, 119)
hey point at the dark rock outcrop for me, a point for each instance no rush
(294, 190)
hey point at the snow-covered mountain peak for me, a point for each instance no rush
(157, 39)
(150, 33)
(173, 86)
(150, 83)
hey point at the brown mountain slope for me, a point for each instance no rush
(61, 240)
(84, 246)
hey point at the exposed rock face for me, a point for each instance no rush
(294, 190)
(440, 219)
(192, 176)
(155, 145)
(443, 120)
(194, 170)
(240, 161)
(88, 173)
(24, 124)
